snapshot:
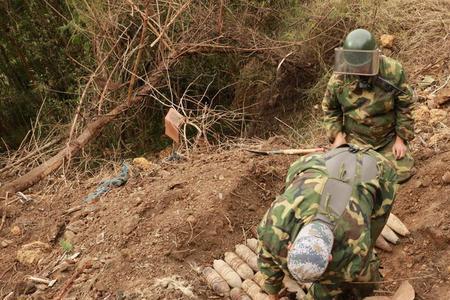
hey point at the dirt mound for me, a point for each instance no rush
(161, 225)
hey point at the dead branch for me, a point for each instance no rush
(71, 280)
(138, 58)
(29, 155)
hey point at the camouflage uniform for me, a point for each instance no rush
(355, 231)
(374, 115)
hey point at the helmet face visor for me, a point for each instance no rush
(356, 62)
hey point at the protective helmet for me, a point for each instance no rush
(359, 39)
(359, 54)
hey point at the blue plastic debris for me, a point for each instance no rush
(106, 185)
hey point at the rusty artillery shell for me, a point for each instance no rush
(253, 290)
(389, 235)
(239, 294)
(259, 279)
(383, 244)
(248, 256)
(253, 245)
(216, 282)
(227, 273)
(395, 224)
(238, 265)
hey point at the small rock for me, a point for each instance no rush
(69, 236)
(15, 230)
(191, 219)
(76, 226)
(6, 243)
(446, 177)
(418, 184)
(32, 253)
(65, 267)
(426, 182)
(387, 41)
(142, 163)
(164, 173)
(41, 286)
(130, 224)
(427, 81)
(220, 196)
(221, 177)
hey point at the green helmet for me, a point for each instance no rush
(359, 40)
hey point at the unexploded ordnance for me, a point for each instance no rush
(227, 273)
(253, 290)
(389, 235)
(293, 287)
(238, 265)
(248, 256)
(253, 245)
(239, 294)
(395, 224)
(259, 279)
(383, 244)
(216, 282)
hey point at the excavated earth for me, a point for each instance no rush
(149, 238)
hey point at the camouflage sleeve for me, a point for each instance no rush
(272, 272)
(333, 120)
(384, 198)
(404, 125)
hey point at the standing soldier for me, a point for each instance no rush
(323, 228)
(368, 102)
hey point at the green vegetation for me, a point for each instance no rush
(50, 51)
(66, 246)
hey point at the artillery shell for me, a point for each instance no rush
(248, 256)
(227, 273)
(259, 278)
(383, 244)
(253, 290)
(395, 224)
(217, 283)
(253, 244)
(389, 235)
(238, 265)
(293, 287)
(238, 294)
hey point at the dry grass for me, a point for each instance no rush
(292, 61)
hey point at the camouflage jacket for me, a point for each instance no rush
(372, 115)
(355, 231)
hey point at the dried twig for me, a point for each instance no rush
(65, 289)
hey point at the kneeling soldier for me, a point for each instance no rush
(323, 228)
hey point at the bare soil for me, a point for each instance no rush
(169, 221)
(149, 238)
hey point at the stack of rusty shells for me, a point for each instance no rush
(237, 276)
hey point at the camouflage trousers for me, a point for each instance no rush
(403, 166)
(361, 288)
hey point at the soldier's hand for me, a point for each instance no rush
(339, 140)
(399, 149)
